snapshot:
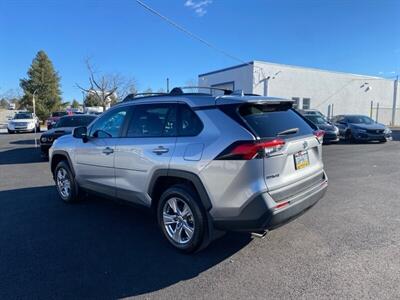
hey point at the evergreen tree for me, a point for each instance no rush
(75, 104)
(92, 99)
(43, 79)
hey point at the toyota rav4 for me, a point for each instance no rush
(203, 163)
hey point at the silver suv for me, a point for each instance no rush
(204, 163)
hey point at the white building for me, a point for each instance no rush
(330, 92)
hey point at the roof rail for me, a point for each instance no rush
(226, 91)
(176, 91)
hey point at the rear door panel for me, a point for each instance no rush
(135, 162)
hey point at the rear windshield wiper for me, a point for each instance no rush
(289, 131)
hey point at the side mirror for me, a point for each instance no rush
(80, 133)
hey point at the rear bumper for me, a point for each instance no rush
(259, 215)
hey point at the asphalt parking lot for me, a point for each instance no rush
(347, 246)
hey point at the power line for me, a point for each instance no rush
(192, 35)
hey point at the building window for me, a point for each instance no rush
(296, 102)
(306, 103)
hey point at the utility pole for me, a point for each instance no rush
(372, 108)
(377, 112)
(167, 85)
(34, 113)
(396, 83)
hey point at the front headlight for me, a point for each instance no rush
(336, 129)
(387, 130)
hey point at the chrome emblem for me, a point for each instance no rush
(305, 145)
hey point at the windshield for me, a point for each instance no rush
(316, 119)
(360, 120)
(75, 121)
(59, 114)
(23, 116)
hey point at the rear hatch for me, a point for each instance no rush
(295, 164)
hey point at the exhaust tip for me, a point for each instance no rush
(259, 234)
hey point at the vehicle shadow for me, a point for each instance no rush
(25, 142)
(20, 156)
(94, 249)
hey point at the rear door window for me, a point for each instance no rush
(153, 120)
(270, 121)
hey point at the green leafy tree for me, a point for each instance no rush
(75, 104)
(43, 79)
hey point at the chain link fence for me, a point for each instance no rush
(385, 114)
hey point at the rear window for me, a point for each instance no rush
(268, 121)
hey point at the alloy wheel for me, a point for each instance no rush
(178, 220)
(63, 183)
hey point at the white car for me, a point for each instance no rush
(11, 106)
(23, 122)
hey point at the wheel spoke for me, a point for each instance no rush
(178, 233)
(188, 230)
(169, 219)
(185, 211)
(173, 204)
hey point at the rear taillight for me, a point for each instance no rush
(246, 150)
(319, 134)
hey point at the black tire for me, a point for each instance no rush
(73, 195)
(10, 131)
(188, 196)
(349, 137)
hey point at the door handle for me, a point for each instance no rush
(108, 151)
(160, 150)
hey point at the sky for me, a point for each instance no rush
(120, 37)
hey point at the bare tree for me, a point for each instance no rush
(107, 89)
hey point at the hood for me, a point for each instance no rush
(59, 131)
(22, 120)
(374, 126)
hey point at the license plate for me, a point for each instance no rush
(301, 160)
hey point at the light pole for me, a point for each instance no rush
(34, 113)
(266, 82)
(394, 108)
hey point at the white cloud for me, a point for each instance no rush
(199, 7)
